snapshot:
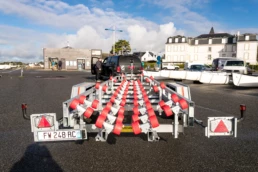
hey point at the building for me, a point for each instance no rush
(146, 56)
(206, 47)
(72, 58)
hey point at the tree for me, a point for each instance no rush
(121, 47)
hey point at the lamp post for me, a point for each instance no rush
(114, 36)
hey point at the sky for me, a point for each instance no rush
(28, 26)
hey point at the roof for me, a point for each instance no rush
(67, 47)
(212, 34)
(139, 54)
(215, 35)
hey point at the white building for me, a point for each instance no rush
(146, 56)
(207, 47)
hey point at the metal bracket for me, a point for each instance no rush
(102, 136)
(153, 136)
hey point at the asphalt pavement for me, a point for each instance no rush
(44, 91)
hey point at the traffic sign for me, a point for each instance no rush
(221, 126)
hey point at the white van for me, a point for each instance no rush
(235, 65)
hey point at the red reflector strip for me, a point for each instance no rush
(221, 127)
(43, 123)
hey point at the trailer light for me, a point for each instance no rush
(118, 69)
(243, 107)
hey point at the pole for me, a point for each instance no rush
(114, 39)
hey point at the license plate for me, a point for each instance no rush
(59, 135)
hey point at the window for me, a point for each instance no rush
(234, 55)
(183, 39)
(234, 63)
(182, 48)
(247, 37)
(246, 56)
(176, 40)
(209, 57)
(224, 40)
(195, 49)
(210, 41)
(175, 58)
(168, 58)
(209, 49)
(175, 48)
(196, 42)
(234, 40)
(246, 46)
(170, 40)
(223, 55)
(168, 48)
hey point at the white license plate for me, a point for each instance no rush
(59, 135)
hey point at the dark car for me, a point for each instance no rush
(199, 67)
(115, 65)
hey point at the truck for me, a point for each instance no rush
(136, 104)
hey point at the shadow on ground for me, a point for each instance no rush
(36, 158)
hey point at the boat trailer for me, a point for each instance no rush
(126, 104)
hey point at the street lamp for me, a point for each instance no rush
(114, 36)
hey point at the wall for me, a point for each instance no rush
(70, 55)
(250, 48)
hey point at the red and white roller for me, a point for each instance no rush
(94, 104)
(145, 127)
(100, 123)
(173, 105)
(87, 112)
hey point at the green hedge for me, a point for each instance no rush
(253, 67)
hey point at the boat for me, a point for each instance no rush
(214, 78)
(242, 80)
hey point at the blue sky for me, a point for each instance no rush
(27, 26)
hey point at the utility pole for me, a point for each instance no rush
(114, 37)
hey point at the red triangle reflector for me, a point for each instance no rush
(43, 123)
(221, 127)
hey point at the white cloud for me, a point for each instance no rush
(87, 26)
(154, 40)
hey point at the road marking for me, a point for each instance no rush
(10, 71)
(214, 110)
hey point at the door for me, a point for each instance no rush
(80, 64)
(93, 63)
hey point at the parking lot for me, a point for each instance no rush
(44, 91)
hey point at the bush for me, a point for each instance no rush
(253, 67)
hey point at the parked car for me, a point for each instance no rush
(115, 65)
(218, 63)
(169, 66)
(199, 67)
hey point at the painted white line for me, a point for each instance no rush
(11, 71)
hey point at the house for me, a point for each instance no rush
(146, 56)
(206, 47)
